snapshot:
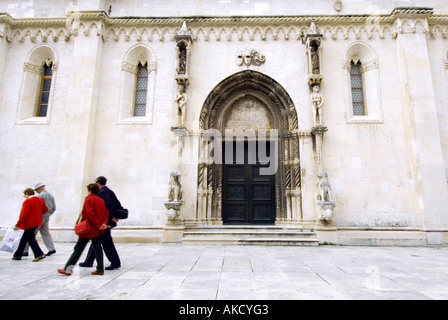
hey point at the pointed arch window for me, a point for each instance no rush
(141, 91)
(357, 89)
(36, 96)
(136, 93)
(45, 90)
(362, 89)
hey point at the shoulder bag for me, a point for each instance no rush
(82, 227)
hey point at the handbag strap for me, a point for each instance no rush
(79, 218)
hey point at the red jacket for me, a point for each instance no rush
(31, 214)
(96, 212)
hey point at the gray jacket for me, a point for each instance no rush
(49, 201)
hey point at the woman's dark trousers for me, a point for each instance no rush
(30, 237)
(79, 248)
(109, 250)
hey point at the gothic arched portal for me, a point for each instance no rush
(259, 109)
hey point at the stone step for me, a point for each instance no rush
(250, 235)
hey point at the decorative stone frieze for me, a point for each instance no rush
(222, 28)
(411, 20)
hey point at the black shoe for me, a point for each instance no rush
(111, 267)
(85, 265)
(51, 252)
(16, 258)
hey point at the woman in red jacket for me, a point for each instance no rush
(96, 213)
(30, 218)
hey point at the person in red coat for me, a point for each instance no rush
(30, 218)
(96, 213)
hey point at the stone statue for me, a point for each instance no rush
(174, 193)
(323, 188)
(315, 58)
(182, 60)
(317, 100)
(181, 101)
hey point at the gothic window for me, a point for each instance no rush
(36, 96)
(136, 93)
(141, 91)
(45, 90)
(362, 90)
(357, 89)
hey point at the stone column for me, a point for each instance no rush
(422, 126)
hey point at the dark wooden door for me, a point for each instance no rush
(248, 196)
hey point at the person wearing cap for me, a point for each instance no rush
(44, 229)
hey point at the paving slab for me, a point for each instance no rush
(206, 272)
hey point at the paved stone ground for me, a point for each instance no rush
(176, 272)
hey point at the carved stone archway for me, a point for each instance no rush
(278, 112)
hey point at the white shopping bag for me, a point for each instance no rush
(11, 240)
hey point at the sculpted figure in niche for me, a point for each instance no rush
(182, 59)
(317, 100)
(181, 101)
(315, 58)
(323, 188)
(174, 194)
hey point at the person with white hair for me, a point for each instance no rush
(44, 228)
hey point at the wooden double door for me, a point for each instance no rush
(248, 194)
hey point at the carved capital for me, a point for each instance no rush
(180, 131)
(369, 66)
(319, 130)
(29, 67)
(129, 67)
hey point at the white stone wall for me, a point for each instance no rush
(386, 171)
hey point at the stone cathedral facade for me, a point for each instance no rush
(231, 122)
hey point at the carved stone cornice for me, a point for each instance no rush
(420, 12)
(411, 19)
(223, 28)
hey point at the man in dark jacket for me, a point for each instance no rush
(112, 204)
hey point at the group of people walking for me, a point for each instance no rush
(99, 209)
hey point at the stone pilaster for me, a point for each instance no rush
(419, 107)
(82, 100)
